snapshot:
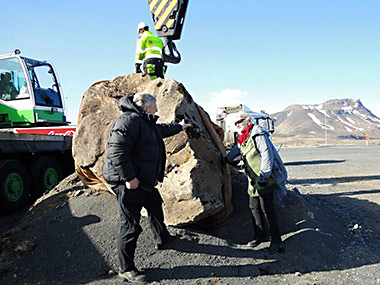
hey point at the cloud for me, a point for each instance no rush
(226, 97)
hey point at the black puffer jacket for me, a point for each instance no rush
(135, 146)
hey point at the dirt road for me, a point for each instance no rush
(345, 180)
(331, 232)
(345, 177)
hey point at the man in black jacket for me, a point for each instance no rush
(135, 163)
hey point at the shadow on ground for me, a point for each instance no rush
(62, 252)
(312, 162)
(75, 241)
(334, 180)
(317, 235)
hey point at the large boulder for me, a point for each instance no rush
(196, 185)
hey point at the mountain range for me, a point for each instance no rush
(338, 118)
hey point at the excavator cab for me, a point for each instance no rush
(168, 18)
(30, 94)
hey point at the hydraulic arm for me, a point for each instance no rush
(168, 18)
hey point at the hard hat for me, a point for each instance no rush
(141, 25)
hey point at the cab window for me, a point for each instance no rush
(44, 86)
(12, 80)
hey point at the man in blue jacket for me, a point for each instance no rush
(134, 164)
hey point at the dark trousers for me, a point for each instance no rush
(264, 215)
(130, 204)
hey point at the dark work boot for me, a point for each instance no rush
(166, 244)
(276, 247)
(133, 276)
(255, 242)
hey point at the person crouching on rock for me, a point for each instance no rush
(267, 177)
(135, 163)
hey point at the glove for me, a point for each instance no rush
(137, 66)
(262, 181)
(224, 159)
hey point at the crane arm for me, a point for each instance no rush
(168, 18)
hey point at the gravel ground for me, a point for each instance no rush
(329, 220)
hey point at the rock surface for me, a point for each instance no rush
(194, 184)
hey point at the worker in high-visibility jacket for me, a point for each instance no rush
(149, 53)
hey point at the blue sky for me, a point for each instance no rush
(266, 54)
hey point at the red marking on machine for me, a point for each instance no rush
(68, 131)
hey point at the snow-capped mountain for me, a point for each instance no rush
(340, 118)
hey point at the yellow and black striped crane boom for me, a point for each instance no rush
(168, 17)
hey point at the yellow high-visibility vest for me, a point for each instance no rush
(148, 46)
